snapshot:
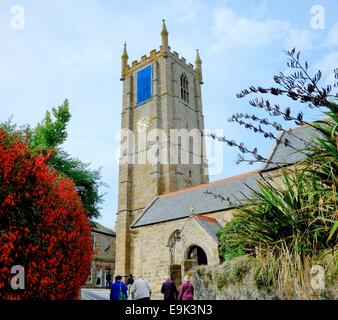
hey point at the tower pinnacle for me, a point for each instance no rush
(124, 58)
(198, 65)
(125, 53)
(165, 39)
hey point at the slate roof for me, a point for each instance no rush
(210, 226)
(297, 138)
(177, 205)
(100, 228)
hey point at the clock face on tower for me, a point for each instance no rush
(143, 124)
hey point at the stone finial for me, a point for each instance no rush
(125, 53)
(164, 32)
(198, 58)
(124, 58)
(198, 66)
(165, 39)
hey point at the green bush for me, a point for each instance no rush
(239, 269)
(222, 276)
(298, 213)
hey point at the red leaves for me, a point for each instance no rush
(43, 226)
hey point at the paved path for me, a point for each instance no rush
(95, 294)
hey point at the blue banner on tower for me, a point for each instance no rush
(144, 87)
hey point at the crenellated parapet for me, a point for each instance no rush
(145, 60)
(154, 54)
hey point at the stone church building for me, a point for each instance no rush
(167, 218)
(103, 262)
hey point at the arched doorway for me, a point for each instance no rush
(196, 256)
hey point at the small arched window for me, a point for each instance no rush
(184, 88)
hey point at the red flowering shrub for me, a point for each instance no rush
(43, 226)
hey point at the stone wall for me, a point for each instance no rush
(104, 247)
(230, 282)
(150, 251)
(103, 259)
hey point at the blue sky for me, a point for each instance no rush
(71, 49)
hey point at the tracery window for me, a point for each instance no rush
(184, 88)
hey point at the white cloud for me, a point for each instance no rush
(301, 39)
(327, 66)
(189, 9)
(332, 37)
(243, 31)
(232, 29)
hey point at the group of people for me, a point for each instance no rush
(170, 292)
(139, 289)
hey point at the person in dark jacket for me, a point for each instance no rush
(118, 290)
(108, 280)
(169, 289)
(130, 282)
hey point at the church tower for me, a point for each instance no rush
(161, 97)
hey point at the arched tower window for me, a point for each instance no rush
(184, 88)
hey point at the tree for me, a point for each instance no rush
(299, 215)
(43, 226)
(48, 137)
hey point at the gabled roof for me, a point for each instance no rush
(178, 205)
(210, 225)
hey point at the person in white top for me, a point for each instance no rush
(141, 289)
